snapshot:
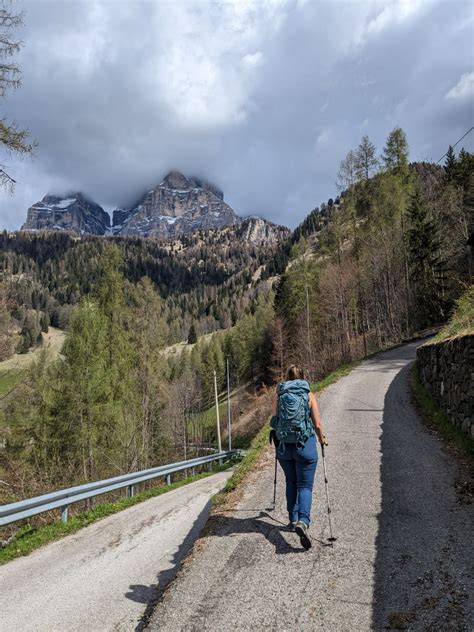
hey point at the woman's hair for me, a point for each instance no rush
(295, 373)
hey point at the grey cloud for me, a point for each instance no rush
(114, 96)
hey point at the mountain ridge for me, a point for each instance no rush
(177, 206)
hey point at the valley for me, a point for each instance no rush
(151, 317)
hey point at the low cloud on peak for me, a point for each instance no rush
(262, 99)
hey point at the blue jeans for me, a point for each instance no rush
(299, 466)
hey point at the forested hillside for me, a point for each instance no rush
(209, 279)
(116, 399)
(384, 260)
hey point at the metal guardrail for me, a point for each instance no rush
(65, 497)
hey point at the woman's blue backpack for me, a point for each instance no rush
(293, 420)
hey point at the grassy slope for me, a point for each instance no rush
(461, 322)
(11, 370)
(9, 381)
(53, 341)
(436, 419)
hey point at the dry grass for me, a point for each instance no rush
(52, 341)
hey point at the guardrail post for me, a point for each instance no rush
(168, 479)
(130, 491)
(193, 471)
(64, 514)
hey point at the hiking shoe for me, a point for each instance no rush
(301, 529)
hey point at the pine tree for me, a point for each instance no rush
(111, 301)
(192, 336)
(395, 153)
(347, 175)
(35, 443)
(44, 323)
(468, 208)
(85, 390)
(7, 340)
(450, 167)
(426, 266)
(277, 342)
(464, 168)
(366, 161)
(148, 390)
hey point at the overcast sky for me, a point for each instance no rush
(263, 98)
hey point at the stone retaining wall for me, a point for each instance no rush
(447, 370)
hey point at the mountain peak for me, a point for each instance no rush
(176, 180)
(178, 205)
(72, 211)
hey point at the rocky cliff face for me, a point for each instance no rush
(177, 206)
(73, 212)
(259, 231)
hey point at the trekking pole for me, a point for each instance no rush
(272, 439)
(275, 481)
(331, 538)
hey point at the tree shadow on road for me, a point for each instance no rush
(150, 595)
(419, 568)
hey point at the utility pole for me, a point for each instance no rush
(229, 422)
(219, 445)
(309, 335)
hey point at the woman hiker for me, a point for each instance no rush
(296, 422)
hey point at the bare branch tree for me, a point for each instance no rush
(12, 139)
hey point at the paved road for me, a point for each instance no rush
(404, 550)
(105, 576)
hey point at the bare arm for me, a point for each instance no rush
(275, 404)
(316, 419)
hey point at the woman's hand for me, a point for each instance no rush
(316, 418)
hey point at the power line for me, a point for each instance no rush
(458, 141)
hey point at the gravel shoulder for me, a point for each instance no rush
(404, 555)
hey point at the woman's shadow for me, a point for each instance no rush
(218, 525)
(221, 525)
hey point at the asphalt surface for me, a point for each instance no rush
(404, 554)
(106, 576)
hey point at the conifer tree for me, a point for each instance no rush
(148, 389)
(35, 443)
(111, 301)
(395, 153)
(450, 164)
(192, 336)
(348, 173)
(83, 399)
(366, 161)
(425, 262)
(464, 168)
